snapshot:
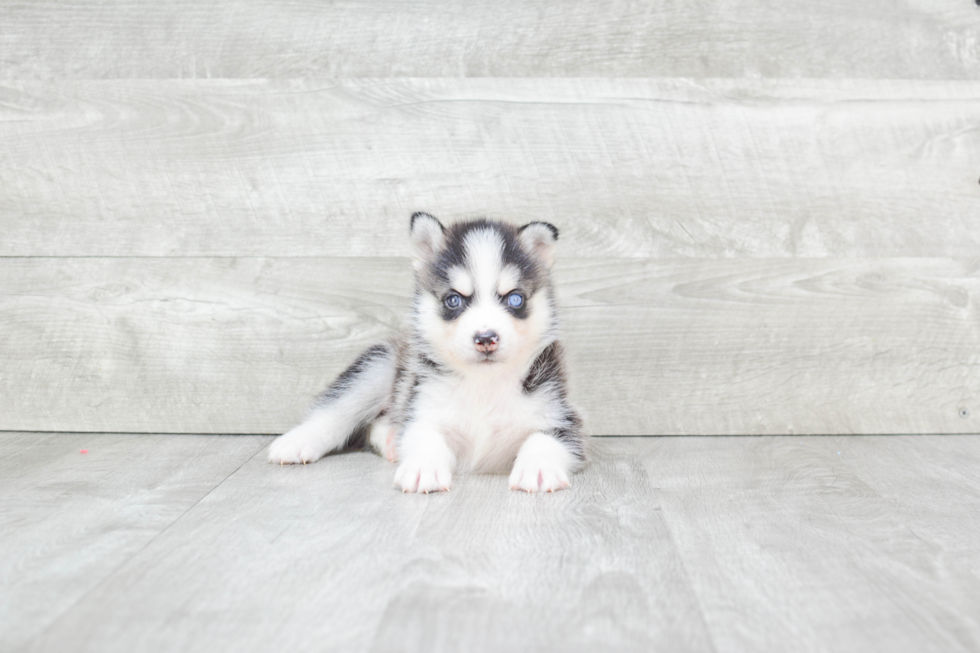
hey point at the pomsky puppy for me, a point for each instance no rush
(476, 380)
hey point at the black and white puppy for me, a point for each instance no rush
(476, 380)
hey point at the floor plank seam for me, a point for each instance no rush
(136, 553)
(162, 433)
(687, 578)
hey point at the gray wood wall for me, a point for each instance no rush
(770, 210)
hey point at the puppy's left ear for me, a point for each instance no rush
(539, 238)
(427, 236)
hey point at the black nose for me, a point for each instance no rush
(486, 341)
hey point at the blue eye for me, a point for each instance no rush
(453, 301)
(515, 300)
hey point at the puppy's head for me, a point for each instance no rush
(484, 290)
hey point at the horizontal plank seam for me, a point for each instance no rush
(576, 257)
(100, 432)
(594, 435)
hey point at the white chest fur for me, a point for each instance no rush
(485, 418)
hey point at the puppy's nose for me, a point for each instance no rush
(486, 341)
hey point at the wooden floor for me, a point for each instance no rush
(195, 543)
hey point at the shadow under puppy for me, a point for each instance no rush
(475, 381)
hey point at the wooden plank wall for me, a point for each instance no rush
(770, 211)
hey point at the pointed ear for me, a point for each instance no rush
(427, 235)
(539, 238)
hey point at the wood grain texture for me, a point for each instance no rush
(329, 557)
(628, 168)
(681, 544)
(68, 520)
(655, 347)
(840, 543)
(247, 38)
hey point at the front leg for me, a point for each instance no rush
(428, 461)
(543, 465)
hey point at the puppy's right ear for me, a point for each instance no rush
(427, 236)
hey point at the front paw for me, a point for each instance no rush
(423, 475)
(538, 476)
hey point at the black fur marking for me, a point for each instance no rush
(520, 312)
(515, 254)
(349, 376)
(571, 434)
(552, 228)
(413, 392)
(452, 255)
(454, 251)
(546, 370)
(358, 439)
(431, 364)
(450, 314)
(423, 214)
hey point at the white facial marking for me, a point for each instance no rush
(509, 277)
(484, 251)
(485, 279)
(460, 281)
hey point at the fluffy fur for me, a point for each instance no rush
(476, 380)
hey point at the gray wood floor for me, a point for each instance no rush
(195, 543)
